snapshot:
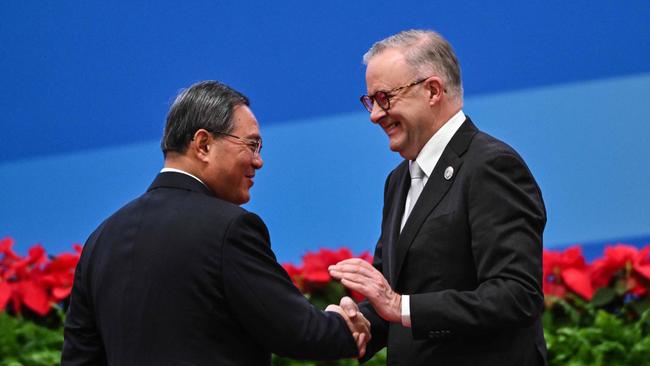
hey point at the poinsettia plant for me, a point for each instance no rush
(596, 313)
(618, 282)
(35, 281)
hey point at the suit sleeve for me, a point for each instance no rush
(506, 222)
(82, 342)
(379, 326)
(269, 306)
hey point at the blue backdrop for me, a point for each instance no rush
(86, 86)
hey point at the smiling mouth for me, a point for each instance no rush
(390, 128)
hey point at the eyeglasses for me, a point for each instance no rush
(382, 97)
(255, 145)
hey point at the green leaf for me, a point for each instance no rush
(604, 296)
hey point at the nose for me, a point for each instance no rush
(257, 161)
(377, 113)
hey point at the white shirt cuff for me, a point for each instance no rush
(406, 311)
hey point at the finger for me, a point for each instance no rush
(359, 287)
(351, 261)
(362, 345)
(362, 267)
(355, 262)
(349, 306)
(336, 273)
(358, 276)
(365, 281)
(332, 308)
(365, 323)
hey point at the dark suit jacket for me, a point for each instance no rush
(180, 277)
(469, 256)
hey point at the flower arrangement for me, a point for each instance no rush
(618, 281)
(596, 313)
(33, 291)
(35, 281)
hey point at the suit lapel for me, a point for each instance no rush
(435, 189)
(400, 183)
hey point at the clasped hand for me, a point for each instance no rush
(358, 324)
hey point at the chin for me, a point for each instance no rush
(244, 198)
(397, 148)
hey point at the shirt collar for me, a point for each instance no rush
(174, 170)
(432, 150)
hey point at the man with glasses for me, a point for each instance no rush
(183, 275)
(457, 272)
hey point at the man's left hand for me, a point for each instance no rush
(359, 275)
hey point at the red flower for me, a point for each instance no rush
(642, 262)
(58, 274)
(5, 293)
(626, 266)
(315, 265)
(34, 281)
(617, 258)
(564, 271)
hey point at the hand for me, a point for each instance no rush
(359, 275)
(358, 324)
(349, 306)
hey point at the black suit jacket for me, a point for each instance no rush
(469, 256)
(180, 277)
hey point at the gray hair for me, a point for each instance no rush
(425, 51)
(206, 104)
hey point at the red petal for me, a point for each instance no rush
(5, 294)
(60, 293)
(6, 244)
(5, 248)
(642, 263)
(572, 257)
(63, 262)
(554, 289)
(37, 254)
(579, 282)
(317, 277)
(35, 297)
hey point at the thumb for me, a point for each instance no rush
(349, 306)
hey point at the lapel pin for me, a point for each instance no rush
(449, 172)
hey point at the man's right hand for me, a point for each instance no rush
(358, 324)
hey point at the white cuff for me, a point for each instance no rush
(406, 311)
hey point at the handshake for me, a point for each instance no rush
(359, 275)
(358, 324)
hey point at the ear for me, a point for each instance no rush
(435, 87)
(200, 144)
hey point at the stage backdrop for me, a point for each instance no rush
(85, 90)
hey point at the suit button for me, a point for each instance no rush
(432, 334)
